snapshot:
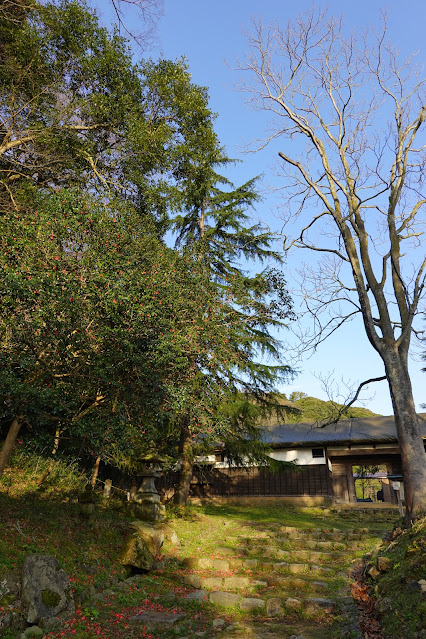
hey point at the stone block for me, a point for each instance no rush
(234, 583)
(170, 534)
(197, 595)
(251, 603)
(383, 605)
(136, 554)
(274, 607)
(297, 569)
(304, 555)
(225, 599)
(318, 603)
(320, 570)
(220, 564)
(32, 631)
(218, 623)
(300, 584)
(152, 617)
(225, 551)
(192, 580)
(293, 603)
(211, 583)
(320, 585)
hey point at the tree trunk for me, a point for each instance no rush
(182, 492)
(96, 471)
(10, 442)
(409, 436)
(49, 469)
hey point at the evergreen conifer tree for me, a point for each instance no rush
(215, 230)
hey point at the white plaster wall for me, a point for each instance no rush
(301, 456)
(206, 459)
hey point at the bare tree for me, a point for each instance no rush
(355, 188)
(150, 11)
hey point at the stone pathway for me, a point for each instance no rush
(282, 578)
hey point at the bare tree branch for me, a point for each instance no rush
(360, 110)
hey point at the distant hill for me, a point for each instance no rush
(309, 409)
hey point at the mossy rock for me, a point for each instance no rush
(50, 598)
(46, 590)
(136, 555)
(6, 600)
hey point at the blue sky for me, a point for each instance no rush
(211, 37)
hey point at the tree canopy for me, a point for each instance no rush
(113, 342)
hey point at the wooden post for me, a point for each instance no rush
(351, 484)
(386, 491)
(133, 490)
(107, 488)
(49, 469)
(396, 485)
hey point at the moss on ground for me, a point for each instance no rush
(400, 601)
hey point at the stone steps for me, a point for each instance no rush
(335, 541)
(317, 544)
(334, 536)
(222, 565)
(310, 556)
(257, 578)
(212, 581)
(289, 584)
(271, 606)
(276, 573)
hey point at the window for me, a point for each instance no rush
(318, 453)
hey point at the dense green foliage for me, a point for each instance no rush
(89, 117)
(111, 341)
(95, 320)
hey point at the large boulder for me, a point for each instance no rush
(46, 590)
(152, 535)
(142, 546)
(137, 556)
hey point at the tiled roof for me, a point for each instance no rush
(347, 431)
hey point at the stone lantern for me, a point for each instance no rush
(147, 498)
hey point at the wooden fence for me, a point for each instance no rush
(252, 482)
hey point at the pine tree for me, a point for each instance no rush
(215, 230)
